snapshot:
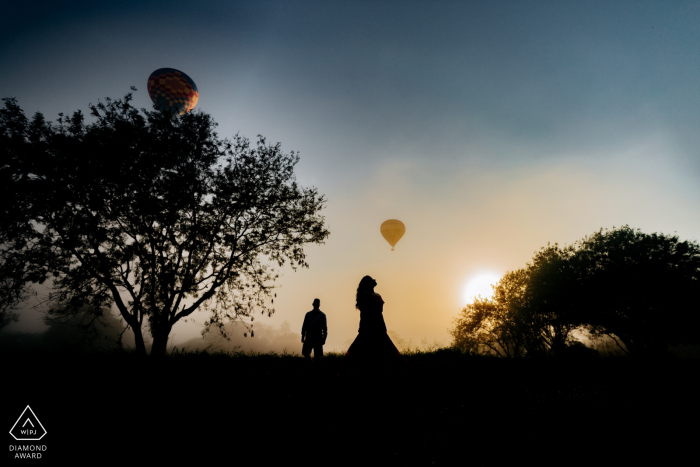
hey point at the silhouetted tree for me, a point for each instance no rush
(15, 229)
(529, 313)
(550, 299)
(637, 288)
(641, 289)
(494, 325)
(157, 216)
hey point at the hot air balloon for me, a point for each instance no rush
(392, 231)
(172, 91)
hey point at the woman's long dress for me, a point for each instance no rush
(372, 349)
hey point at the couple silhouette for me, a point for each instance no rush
(372, 351)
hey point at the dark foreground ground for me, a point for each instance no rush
(450, 409)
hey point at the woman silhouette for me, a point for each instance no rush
(373, 349)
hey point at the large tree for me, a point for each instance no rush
(639, 289)
(494, 325)
(530, 312)
(550, 301)
(156, 216)
(15, 228)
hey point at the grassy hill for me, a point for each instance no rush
(449, 409)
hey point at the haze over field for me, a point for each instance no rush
(488, 129)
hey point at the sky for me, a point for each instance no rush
(488, 128)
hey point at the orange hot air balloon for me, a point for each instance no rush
(392, 231)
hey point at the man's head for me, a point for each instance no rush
(317, 303)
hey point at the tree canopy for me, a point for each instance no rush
(640, 288)
(156, 216)
(636, 288)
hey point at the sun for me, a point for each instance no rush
(480, 284)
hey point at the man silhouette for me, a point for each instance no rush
(314, 332)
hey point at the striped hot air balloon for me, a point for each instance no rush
(172, 91)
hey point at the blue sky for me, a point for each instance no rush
(489, 128)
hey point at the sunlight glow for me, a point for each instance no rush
(480, 285)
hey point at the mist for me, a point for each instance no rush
(269, 338)
(83, 333)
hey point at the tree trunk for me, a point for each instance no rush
(138, 339)
(160, 340)
(627, 345)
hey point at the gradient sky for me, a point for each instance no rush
(488, 128)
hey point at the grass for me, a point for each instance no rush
(276, 408)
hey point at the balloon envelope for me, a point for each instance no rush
(392, 231)
(172, 91)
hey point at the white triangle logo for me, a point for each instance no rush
(28, 427)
